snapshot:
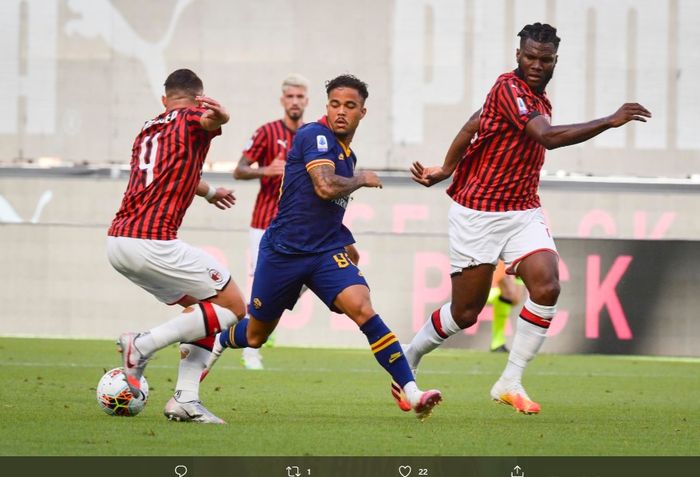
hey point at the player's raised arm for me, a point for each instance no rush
(221, 197)
(428, 176)
(244, 171)
(328, 185)
(215, 116)
(553, 137)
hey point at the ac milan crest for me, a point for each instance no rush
(215, 275)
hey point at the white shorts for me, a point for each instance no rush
(167, 269)
(478, 237)
(254, 235)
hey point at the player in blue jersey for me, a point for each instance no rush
(306, 243)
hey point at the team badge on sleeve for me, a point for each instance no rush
(321, 143)
(522, 109)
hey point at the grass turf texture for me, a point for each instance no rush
(323, 402)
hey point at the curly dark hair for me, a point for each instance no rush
(541, 33)
(348, 81)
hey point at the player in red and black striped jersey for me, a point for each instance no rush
(268, 150)
(166, 169)
(496, 212)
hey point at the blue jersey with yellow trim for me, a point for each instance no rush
(305, 223)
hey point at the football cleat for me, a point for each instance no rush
(400, 397)
(426, 402)
(513, 394)
(252, 359)
(191, 411)
(133, 361)
(213, 357)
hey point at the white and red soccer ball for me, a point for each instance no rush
(115, 398)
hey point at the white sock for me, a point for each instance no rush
(412, 392)
(192, 361)
(528, 338)
(427, 338)
(187, 326)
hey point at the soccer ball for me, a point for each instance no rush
(114, 396)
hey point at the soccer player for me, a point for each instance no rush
(305, 243)
(505, 293)
(268, 148)
(496, 210)
(166, 167)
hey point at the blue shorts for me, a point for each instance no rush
(279, 277)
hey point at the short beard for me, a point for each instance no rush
(293, 115)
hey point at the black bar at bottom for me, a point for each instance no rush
(349, 466)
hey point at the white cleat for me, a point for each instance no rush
(191, 411)
(512, 393)
(252, 359)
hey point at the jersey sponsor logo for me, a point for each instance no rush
(342, 201)
(521, 106)
(321, 143)
(394, 357)
(215, 275)
(257, 304)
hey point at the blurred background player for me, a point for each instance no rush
(268, 149)
(496, 212)
(166, 167)
(506, 292)
(305, 243)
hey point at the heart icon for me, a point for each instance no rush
(405, 470)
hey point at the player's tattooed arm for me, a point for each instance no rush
(329, 186)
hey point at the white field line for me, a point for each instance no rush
(467, 372)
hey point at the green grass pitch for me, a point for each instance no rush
(330, 402)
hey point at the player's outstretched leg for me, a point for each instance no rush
(133, 361)
(389, 354)
(193, 323)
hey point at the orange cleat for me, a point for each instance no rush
(400, 397)
(513, 394)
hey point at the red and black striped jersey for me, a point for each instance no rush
(166, 167)
(501, 168)
(267, 142)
